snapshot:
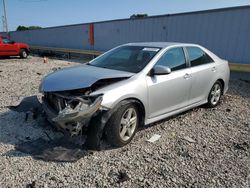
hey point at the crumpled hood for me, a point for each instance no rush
(78, 77)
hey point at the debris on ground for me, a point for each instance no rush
(187, 138)
(154, 138)
(45, 59)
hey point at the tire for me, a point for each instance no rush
(121, 128)
(215, 95)
(23, 53)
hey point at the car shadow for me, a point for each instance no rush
(9, 57)
(31, 134)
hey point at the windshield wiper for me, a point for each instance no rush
(96, 66)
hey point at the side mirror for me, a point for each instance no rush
(160, 70)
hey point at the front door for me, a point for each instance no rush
(169, 92)
(8, 47)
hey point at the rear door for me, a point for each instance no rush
(203, 69)
(169, 92)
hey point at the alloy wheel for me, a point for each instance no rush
(128, 124)
(215, 94)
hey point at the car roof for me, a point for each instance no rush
(159, 44)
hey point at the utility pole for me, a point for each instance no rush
(2, 17)
(5, 18)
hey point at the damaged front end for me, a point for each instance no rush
(71, 111)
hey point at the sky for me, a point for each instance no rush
(48, 13)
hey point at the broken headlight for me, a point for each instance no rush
(78, 108)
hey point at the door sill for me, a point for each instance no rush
(174, 112)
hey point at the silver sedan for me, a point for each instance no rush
(133, 85)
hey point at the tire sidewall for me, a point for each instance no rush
(23, 54)
(112, 130)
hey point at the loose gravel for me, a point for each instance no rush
(200, 148)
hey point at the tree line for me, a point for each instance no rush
(24, 28)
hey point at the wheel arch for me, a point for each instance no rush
(140, 107)
(222, 84)
(23, 49)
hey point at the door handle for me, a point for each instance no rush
(214, 69)
(187, 76)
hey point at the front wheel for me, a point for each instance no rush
(23, 53)
(122, 125)
(214, 95)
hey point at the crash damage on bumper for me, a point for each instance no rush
(70, 113)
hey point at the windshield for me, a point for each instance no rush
(126, 58)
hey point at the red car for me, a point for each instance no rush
(11, 48)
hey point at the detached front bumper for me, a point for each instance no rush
(72, 119)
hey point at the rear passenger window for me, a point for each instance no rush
(174, 59)
(198, 56)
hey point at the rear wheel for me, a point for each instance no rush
(23, 53)
(122, 125)
(214, 95)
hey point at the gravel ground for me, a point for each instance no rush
(199, 148)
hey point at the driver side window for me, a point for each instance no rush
(6, 41)
(174, 59)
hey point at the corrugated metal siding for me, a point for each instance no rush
(226, 32)
(64, 37)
